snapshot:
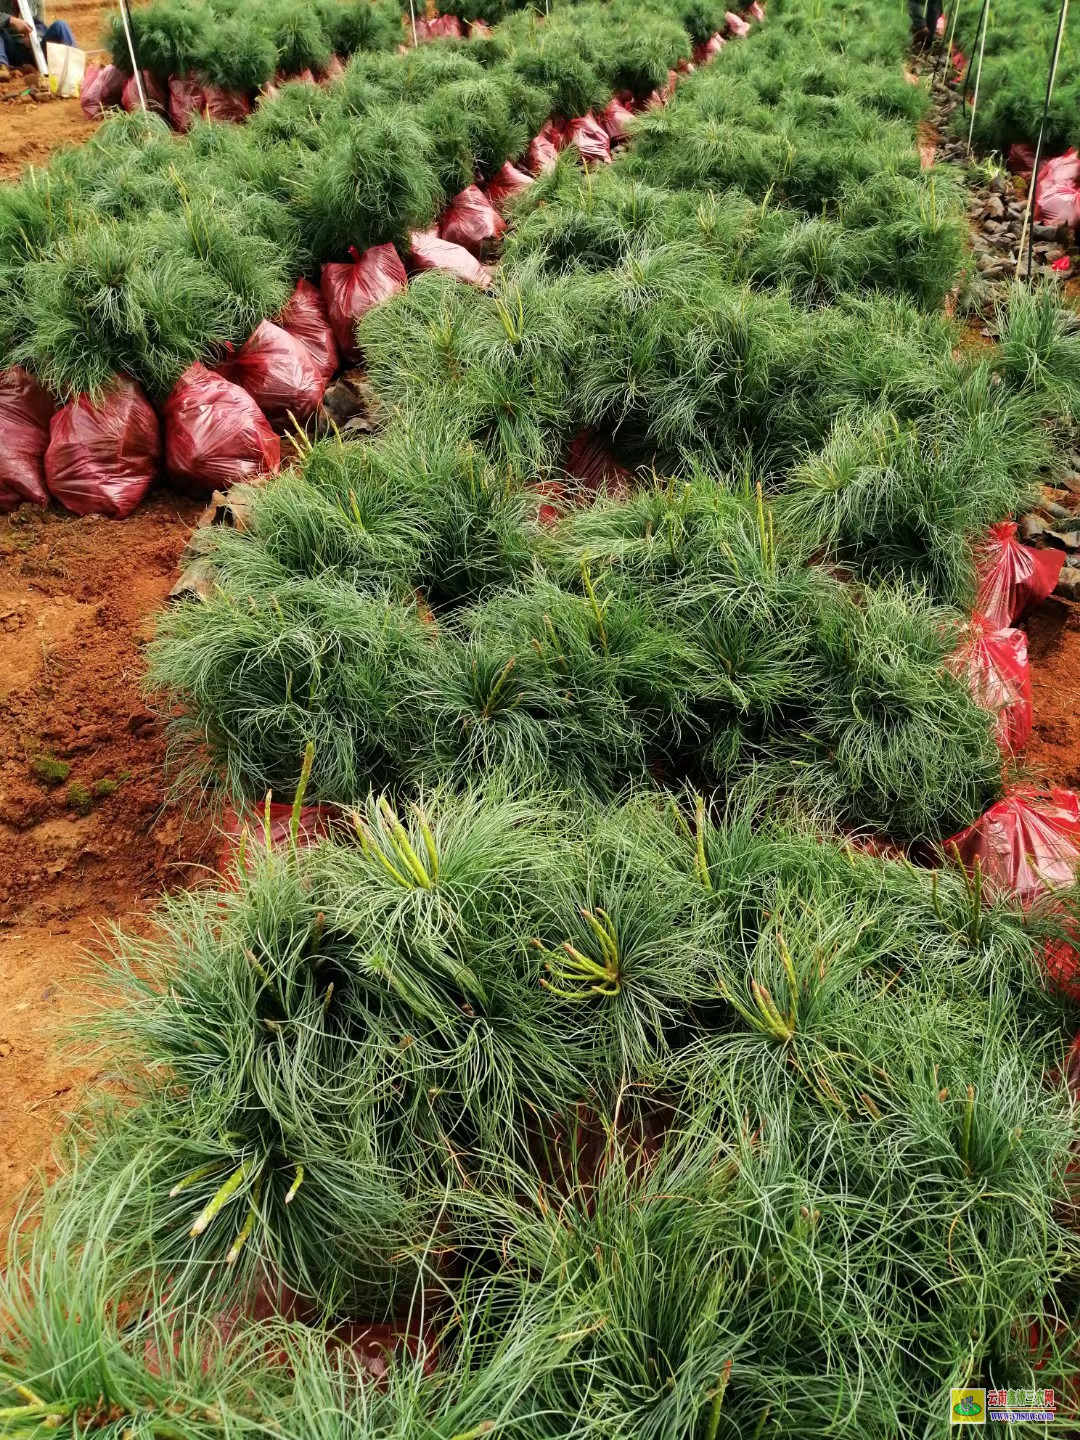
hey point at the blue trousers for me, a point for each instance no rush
(14, 49)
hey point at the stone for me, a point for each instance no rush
(994, 207)
(1068, 585)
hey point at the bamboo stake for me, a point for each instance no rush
(1029, 208)
(131, 52)
(978, 71)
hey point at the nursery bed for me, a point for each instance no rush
(677, 1116)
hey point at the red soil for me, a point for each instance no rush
(33, 124)
(1054, 649)
(77, 599)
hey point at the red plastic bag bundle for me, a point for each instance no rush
(1013, 577)
(102, 89)
(737, 26)
(155, 90)
(315, 824)
(427, 251)
(350, 290)
(996, 665)
(305, 318)
(25, 412)
(1020, 160)
(590, 461)
(757, 11)
(103, 458)
(543, 149)
(1025, 845)
(589, 138)
(277, 371)
(470, 220)
(333, 71)
(1057, 194)
(614, 118)
(507, 182)
(215, 434)
(478, 30)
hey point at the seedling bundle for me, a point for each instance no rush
(553, 1065)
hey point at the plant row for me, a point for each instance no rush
(142, 252)
(1019, 47)
(538, 1119)
(240, 47)
(679, 631)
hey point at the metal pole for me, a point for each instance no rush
(131, 52)
(980, 32)
(1029, 208)
(978, 75)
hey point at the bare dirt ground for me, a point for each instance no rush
(33, 124)
(86, 836)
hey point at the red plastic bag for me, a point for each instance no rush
(305, 317)
(757, 11)
(478, 30)
(737, 26)
(1013, 577)
(590, 461)
(996, 665)
(25, 412)
(507, 182)
(442, 27)
(215, 434)
(102, 89)
(552, 501)
(1021, 159)
(315, 824)
(350, 290)
(1057, 194)
(103, 458)
(543, 150)
(277, 371)
(662, 96)
(589, 138)
(427, 251)
(187, 96)
(1026, 845)
(333, 71)
(472, 221)
(156, 92)
(614, 118)
(705, 54)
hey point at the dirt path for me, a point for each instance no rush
(31, 127)
(86, 838)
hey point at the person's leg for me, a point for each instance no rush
(4, 60)
(59, 32)
(915, 15)
(933, 15)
